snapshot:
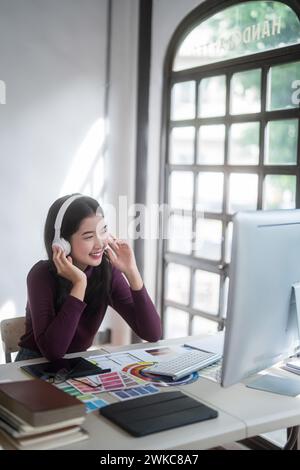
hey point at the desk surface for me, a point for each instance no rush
(243, 412)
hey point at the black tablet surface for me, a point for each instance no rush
(159, 412)
(70, 368)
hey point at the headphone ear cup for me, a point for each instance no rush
(57, 240)
(63, 244)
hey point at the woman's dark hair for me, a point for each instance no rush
(99, 283)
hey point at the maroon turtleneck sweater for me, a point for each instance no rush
(69, 330)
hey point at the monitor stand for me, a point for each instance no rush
(273, 383)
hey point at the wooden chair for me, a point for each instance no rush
(11, 331)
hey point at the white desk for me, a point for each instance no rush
(243, 412)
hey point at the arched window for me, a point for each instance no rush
(231, 142)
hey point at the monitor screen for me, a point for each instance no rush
(261, 326)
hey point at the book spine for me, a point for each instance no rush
(16, 408)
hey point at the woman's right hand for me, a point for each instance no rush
(65, 267)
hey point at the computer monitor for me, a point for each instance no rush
(262, 324)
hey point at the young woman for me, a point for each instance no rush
(68, 294)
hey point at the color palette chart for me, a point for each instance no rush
(91, 402)
(127, 378)
(111, 381)
(85, 385)
(135, 392)
(131, 381)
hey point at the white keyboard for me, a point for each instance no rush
(184, 364)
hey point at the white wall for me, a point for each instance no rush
(52, 57)
(122, 123)
(52, 60)
(167, 15)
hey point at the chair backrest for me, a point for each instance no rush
(11, 331)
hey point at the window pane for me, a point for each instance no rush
(176, 323)
(239, 30)
(181, 190)
(279, 192)
(210, 192)
(228, 242)
(244, 144)
(178, 283)
(242, 192)
(281, 142)
(283, 82)
(211, 144)
(212, 96)
(180, 234)
(245, 92)
(202, 326)
(206, 297)
(208, 239)
(182, 145)
(183, 101)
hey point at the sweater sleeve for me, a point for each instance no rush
(135, 307)
(53, 331)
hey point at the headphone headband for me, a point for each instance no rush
(62, 211)
(57, 240)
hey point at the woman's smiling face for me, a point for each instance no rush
(89, 242)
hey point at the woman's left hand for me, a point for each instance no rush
(121, 256)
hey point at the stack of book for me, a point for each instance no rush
(36, 415)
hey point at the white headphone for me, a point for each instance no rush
(58, 240)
